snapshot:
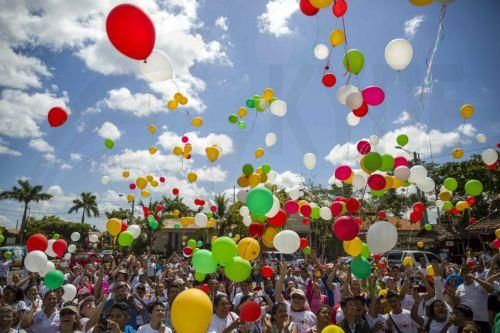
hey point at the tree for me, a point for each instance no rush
(122, 214)
(88, 205)
(50, 225)
(222, 204)
(25, 194)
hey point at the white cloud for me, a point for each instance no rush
(412, 25)
(21, 112)
(403, 118)
(343, 154)
(467, 130)
(50, 157)
(221, 22)
(209, 174)
(41, 145)
(4, 149)
(7, 222)
(288, 179)
(138, 104)
(75, 157)
(168, 140)
(108, 130)
(65, 166)
(275, 19)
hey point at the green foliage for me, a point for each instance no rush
(49, 225)
(87, 204)
(122, 214)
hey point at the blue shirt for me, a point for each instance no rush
(133, 315)
(129, 329)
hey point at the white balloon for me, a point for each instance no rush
(439, 204)
(338, 183)
(93, 238)
(374, 139)
(352, 120)
(489, 156)
(49, 250)
(321, 52)
(309, 160)
(71, 248)
(247, 220)
(381, 237)
(325, 213)
(67, 256)
(354, 100)
(358, 181)
(104, 180)
(287, 241)
(75, 237)
(48, 267)
(157, 67)
(271, 139)
(135, 230)
(35, 261)
(426, 185)
(275, 208)
(481, 138)
(271, 176)
(294, 194)
(69, 292)
(278, 108)
(344, 91)
(244, 211)
(417, 174)
(398, 54)
(242, 194)
(402, 173)
(201, 220)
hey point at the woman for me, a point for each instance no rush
(223, 320)
(31, 296)
(69, 320)
(323, 317)
(438, 315)
(314, 296)
(7, 320)
(45, 320)
(280, 321)
(14, 296)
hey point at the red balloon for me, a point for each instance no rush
(307, 9)
(339, 8)
(124, 226)
(361, 111)
(204, 287)
(37, 242)
(336, 208)
(339, 198)
(291, 207)
(185, 139)
(472, 220)
(188, 157)
(278, 220)
(159, 208)
(329, 80)
(187, 251)
(496, 243)
(359, 221)
(352, 205)
(363, 147)
(267, 271)
(145, 209)
(471, 200)
(303, 243)
(382, 215)
(306, 221)
(376, 182)
(59, 246)
(419, 207)
(132, 186)
(343, 172)
(202, 202)
(454, 211)
(250, 311)
(471, 263)
(131, 31)
(345, 228)
(305, 210)
(400, 161)
(175, 191)
(57, 116)
(415, 217)
(381, 264)
(492, 167)
(376, 256)
(213, 208)
(162, 179)
(256, 229)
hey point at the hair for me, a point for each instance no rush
(18, 292)
(122, 306)
(361, 299)
(48, 293)
(323, 306)
(392, 294)
(6, 308)
(244, 299)
(467, 311)
(473, 324)
(432, 314)
(140, 287)
(274, 309)
(27, 291)
(346, 300)
(218, 298)
(152, 305)
(395, 267)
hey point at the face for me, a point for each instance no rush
(158, 313)
(6, 318)
(298, 302)
(172, 293)
(395, 273)
(159, 289)
(245, 288)
(316, 289)
(16, 278)
(67, 317)
(395, 303)
(50, 300)
(119, 317)
(360, 308)
(470, 328)
(141, 292)
(291, 285)
(440, 310)
(391, 285)
(280, 314)
(9, 296)
(87, 309)
(350, 308)
(355, 287)
(323, 315)
(212, 284)
(85, 280)
(222, 308)
(121, 290)
(33, 292)
(121, 277)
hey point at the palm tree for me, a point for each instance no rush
(25, 194)
(88, 204)
(222, 204)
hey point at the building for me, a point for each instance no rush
(482, 233)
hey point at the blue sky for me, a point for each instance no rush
(224, 52)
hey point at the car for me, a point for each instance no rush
(395, 257)
(84, 258)
(272, 258)
(17, 254)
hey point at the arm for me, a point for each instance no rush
(98, 284)
(94, 318)
(486, 285)
(345, 288)
(414, 309)
(28, 319)
(24, 280)
(493, 278)
(373, 297)
(329, 281)
(278, 293)
(406, 284)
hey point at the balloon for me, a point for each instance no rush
(156, 68)
(321, 52)
(201, 220)
(332, 329)
(373, 95)
(466, 111)
(328, 80)
(259, 200)
(268, 237)
(278, 108)
(307, 9)
(53, 279)
(450, 184)
(212, 153)
(71, 248)
(489, 156)
(109, 143)
(358, 181)
(59, 247)
(344, 91)
(325, 213)
(457, 153)
(35, 261)
(339, 8)
(430, 270)
(114, 226)
(345, 228)
(353, 247)
(352, 205)
(497, 233)
(287, 241)
(291, 207)
(305, 210)
(496, 243)
(69, 292)
(233, 119)
(189, 304)
(36, 242)
(274, 209)
(250, 311)
(387, 163)
(354, 100)
(352, 120)
(381, 237)
(125, 238)
(57, 116)
(360, 268)
(363, 147)
(408, 261)
(481, 138)
(309, 160)
(200, 277)
(131, 31)
(321, 3)
(427, 185)
(336, 37)
(192, 177)
(343, 172)
(473, 187)
(203, 262)
(398, 54)
(93, 238)
(248, 248)
(172, 105)
(197, 121)
(49, 267)
(365, 251)
(223, 250)
(135, 230)
(271, 139)
(238, 269)
(421, 2)
(267, 272)
(400, 161)
(353, 61)
(402, 173)
(372, 161)
(417, 173)
(361, 111)
(402, 140)
(259, 152)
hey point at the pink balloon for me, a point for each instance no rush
(376, 182)
(343, 172)
(291, 207)
(400, 161)
(363, 147)
(345, 228)
(373, 95)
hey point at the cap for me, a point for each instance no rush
(298, 292)
(83, 291)
(123, 271)
(387, 278)
(85, 301)
(69, 307)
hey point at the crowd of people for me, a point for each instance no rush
(135, 294)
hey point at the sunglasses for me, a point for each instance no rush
(66, 312)
(297, 297)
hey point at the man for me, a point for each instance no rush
(119, 315)
(4, 269)
(481, 272)
(172, 293)
(395, 273)
(245, 290)
(7, 320)
(352, 319)
(157, 313)
(122, 294)
(399, 319)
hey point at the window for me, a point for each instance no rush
(394, 256)
(417, 256)
(432, 257)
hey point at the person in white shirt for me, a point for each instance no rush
(45, 320)
(4, 269)
(223, 320)
(245, 290)
(398, 320)
(7, 320)
(157, 324)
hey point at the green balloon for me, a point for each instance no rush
(2, 238)
(154, 224)
(428, 227)
(250, 103)
(256, 98)
(200, 277)
(125, 238)
(238, 269)
(259, 108)
(447, 206)
(191, 243)
(377, 193)
(109, 143)
(402, 140)
(233, 119)
(473, 187)
(209, 214)
(53, 279)
(242, 124)
(387, 162)
(266, 168)
(406, 183)
(224, 250)
(315, 213)
(7, 255)
(259, 200)
(307, 250)
(372, 161)
(177, 226)
(247, 169)
(56, 236)
(256, 218)
(199, 243)
(360, 267)
(151, 218)
(365, 251)
(353, 61)
(450, 184)
(203, 262)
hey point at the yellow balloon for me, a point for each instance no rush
(362, 165)
(430, 270)
(408, 261)
(268, 94)
(214, 238)
(321, 3)
(467, 111)
(242, 112)
(145, 193)
(197, 122)
(176, 212)
(420, 245)
(149, 178)
(125, 174)
(130, 198)
(336, 37)
(114, 226)
(462, 205)
(353, 247)
(263, 178)
(497, 233)
(248, 248)
(152, 129)
(178, 151)
(254, 180)
(192, 177)
(189, 304)
(332, 329)
(154, 183)
(141, 183)
(302, 203)
(211, 223)
(388, 183)
(184, 222)
(172, 105)
(184, 100)
(212, 153)
(242, 181)
(396, 183)
(421, 2)
(152, 150)
(349, 180)
(178, 97)
(445, 196)
(458, 153)
(268, 237)
(259, 152)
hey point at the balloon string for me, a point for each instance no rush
(253, 123)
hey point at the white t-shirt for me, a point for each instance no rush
(237, 299)
(475, 297)
(372, 321)
(151, 269)
(304, 320)
(148, 329)
(43, 324)
(437, 326)
(217, 325)
(403, 321)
